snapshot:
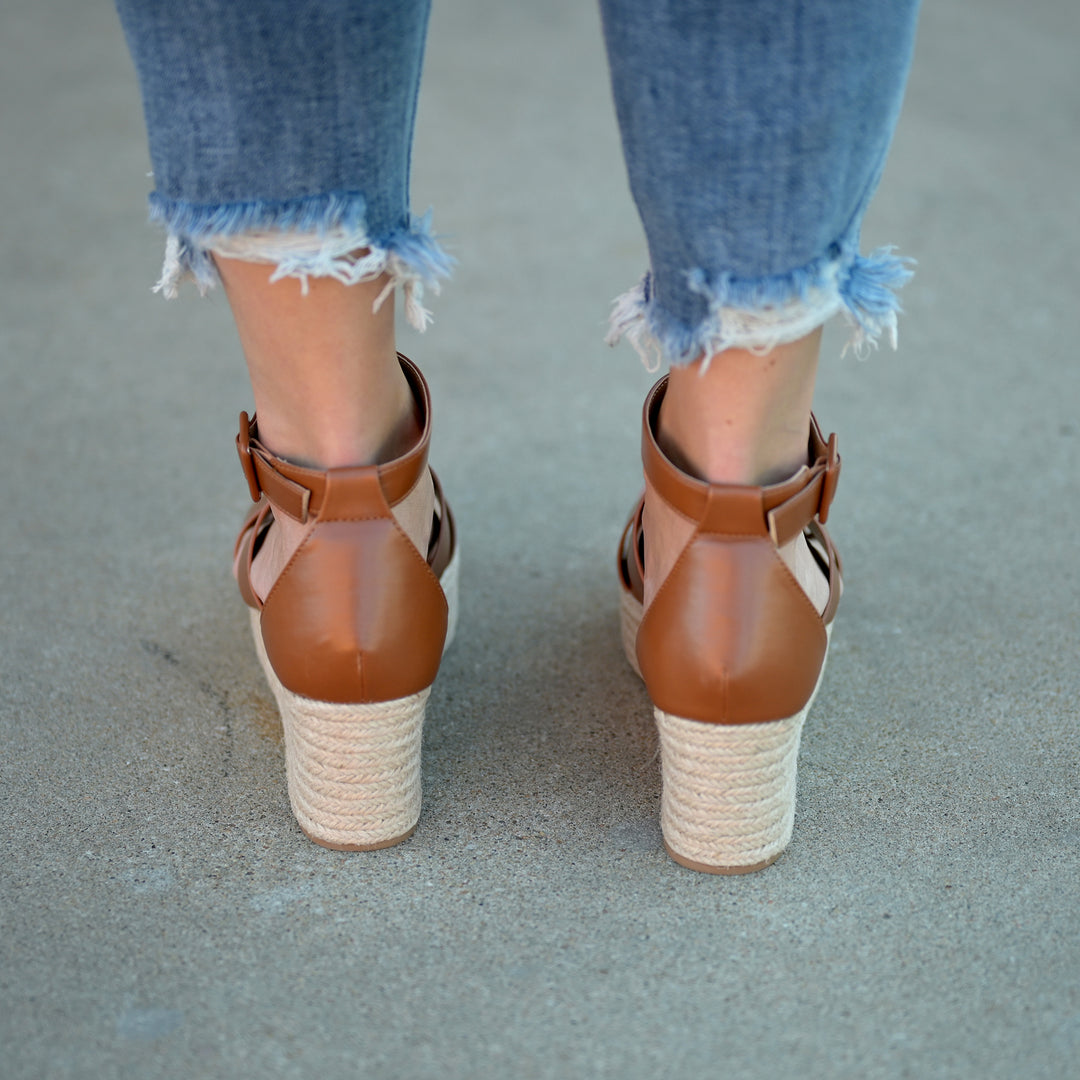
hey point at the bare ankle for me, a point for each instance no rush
(370, 428)
(329, 390)
(744, 418)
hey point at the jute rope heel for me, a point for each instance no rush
(727, 803)
(353, 770)
(732, 652)
(728, 799)
(351, 634)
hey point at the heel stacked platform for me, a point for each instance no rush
(731, 650)
(351, 634)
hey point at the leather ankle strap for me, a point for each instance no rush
(300, 492)
(781, 510)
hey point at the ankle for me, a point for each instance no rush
(363, 429)
(746, 458)
(744, 418)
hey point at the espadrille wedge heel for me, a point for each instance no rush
(351, 634)
(731, 650)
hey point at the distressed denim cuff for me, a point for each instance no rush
(318, 236)
(759, 314)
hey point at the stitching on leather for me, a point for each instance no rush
(412, 488)
(664, 585)
(344, 521)
(289, 565)
(378, 517)
(670, 574)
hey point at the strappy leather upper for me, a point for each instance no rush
(730, 636)
(357, 614)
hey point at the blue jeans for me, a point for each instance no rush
(754, 132)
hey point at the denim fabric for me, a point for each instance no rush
(281, 114)
(754, 131)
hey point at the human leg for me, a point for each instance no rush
(754, 137)
(280, 135)
(329, 391)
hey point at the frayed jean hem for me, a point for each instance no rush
(317, 236)
(761, 313)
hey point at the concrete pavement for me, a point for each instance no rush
(163, 916)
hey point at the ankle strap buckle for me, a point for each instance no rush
(286, 494)
(243, 448)
(829, 480)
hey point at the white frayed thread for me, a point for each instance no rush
(627, 320)
(332, 254)
(758, 330)
(174, 271)
(863, 340)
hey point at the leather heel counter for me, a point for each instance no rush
(730, 637)
(357, 616)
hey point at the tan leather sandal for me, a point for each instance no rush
(351, 634)
(731, 651)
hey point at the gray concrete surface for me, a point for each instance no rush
(162, 915)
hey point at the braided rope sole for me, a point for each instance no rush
(728, 802)
(354, 770)
(728, 799)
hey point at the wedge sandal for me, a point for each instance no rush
(351, 634)
(731, 651)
